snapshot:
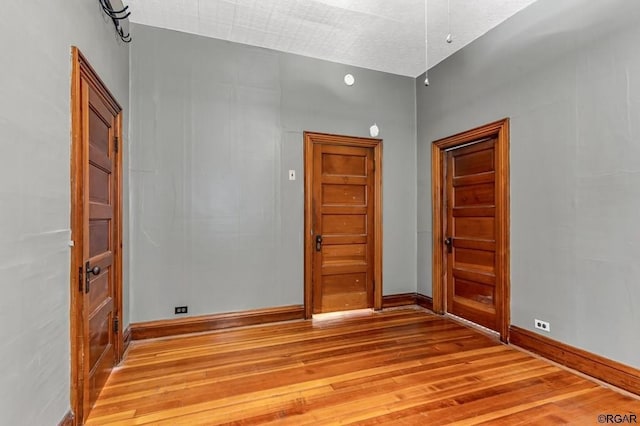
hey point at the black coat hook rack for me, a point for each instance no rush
(117, 16)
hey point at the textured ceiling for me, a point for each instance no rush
(384, 35)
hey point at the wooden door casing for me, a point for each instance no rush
(489, 277)
(96, 290)
(342, 205)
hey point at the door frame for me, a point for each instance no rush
(81, 69)
(500, 130)
(310, 139)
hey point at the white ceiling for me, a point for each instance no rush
(384, 35)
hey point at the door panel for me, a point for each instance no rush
(343, 215)
(473, 162)
(99, 231)
(101, 288)
(355, 195)
(99, 181)
(344, 224)
(474, 194)
(479, 259)
(345, 162)
(471, 227)
(345, 283)
(347, 253)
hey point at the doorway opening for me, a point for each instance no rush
(470, 200)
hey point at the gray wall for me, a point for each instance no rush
(216, 224)
(568, 75)
(35, 82)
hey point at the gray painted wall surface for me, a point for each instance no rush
(568, 75)
(215, 222)
(35, 82)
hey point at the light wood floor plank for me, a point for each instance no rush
(402, 366)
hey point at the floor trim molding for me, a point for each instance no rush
(198, 324)
(172, 327)
(67, 420)
(126, 339)
(424, 301)
(405, 299)
(613, 372)
(401, 299)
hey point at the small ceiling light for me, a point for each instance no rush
(426, 44)
(374, 130)
(349, 80)
(449, 38)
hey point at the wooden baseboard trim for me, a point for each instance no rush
(402, 299)
(609, 371)
(405, 299)
(424, 301)
(126, 339)
(67, 420)
(172, 327)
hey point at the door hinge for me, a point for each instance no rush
(80, 277)
(115, 144)
(115, 324)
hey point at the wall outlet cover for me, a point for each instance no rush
(542, 325)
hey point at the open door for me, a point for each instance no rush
(96, 227)
(470, 178)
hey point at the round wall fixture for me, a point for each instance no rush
(374, 130)
(349, 80)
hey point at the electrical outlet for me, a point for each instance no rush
(542, 325)
(181, 309)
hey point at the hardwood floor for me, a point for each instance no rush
(403, 366)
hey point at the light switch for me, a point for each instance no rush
(292, 175)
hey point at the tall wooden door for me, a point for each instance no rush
(342, 183)
(470, 199)
(97, 233)
(471, 233)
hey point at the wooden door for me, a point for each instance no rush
(471, 233)
(343, 224)
(470, 190)
(97, 233)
